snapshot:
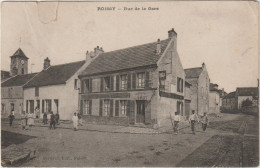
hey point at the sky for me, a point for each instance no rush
(223, 34)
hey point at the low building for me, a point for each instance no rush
(12, 94)
(55, 89)
(199, 80)
(143, 84)
(244, 93)
(229, 102)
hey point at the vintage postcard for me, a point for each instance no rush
(129, 84)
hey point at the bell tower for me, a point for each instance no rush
(19, 63)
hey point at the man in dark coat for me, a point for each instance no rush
(52, 122)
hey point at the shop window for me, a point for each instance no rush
(123, 82)
(140, 80)
(87, 106)
(123, 106)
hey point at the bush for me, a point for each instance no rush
(246, 103)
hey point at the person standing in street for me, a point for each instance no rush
(45, 120)
(11, 118)
(176, 120)
(57, 118)
(52, 121)
(75, 121)
(23, 120)
(204, 121)
(30, 120)
(193, 118)
(37, 112)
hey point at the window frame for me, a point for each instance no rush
(87, 109)
(106, 107)
(123, 107)
(105, 84)
(125, 82)
(140, 82)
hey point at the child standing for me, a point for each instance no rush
(176, 121)
(75, 121)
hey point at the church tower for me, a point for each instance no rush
(19, 63)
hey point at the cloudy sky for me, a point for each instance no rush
(222, 34)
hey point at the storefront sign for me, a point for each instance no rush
(106, 95)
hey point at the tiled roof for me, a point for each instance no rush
(19, 53)
(230, 95)
(137, 56)
(55, 75)
(247, 91)
(18, 80)
(193, 72)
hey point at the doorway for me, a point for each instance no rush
(31, 106)
(140, 114)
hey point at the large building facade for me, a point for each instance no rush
(138, 85)
(199, 80)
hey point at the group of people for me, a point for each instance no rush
(54, 119)
(192, 120)
(27, 120)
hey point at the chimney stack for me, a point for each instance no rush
(203, 65)
(172, 33)
(158, 47)
(47, 63)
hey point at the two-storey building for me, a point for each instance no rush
(141, 84)
(199, 80)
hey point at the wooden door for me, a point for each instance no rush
(140, 114)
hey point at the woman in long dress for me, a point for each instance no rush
(30, 120)
(23, 120)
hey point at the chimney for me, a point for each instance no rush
(203, 65)
(158, 47)
(47, 63)
(172, 33)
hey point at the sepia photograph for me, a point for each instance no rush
(130, 84)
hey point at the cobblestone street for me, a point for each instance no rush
(65, 147)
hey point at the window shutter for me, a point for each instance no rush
(101, 84)
(117, 108)
(112, 83)
(82, 87)
(90, 85)
(81, 107)
(111, 108)
(128, 81)
(117, 82)
(133, 80)
(146, 79)
(27, 106)
(90, 107)
(128, 108)
(100, 107)
(132, 112)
